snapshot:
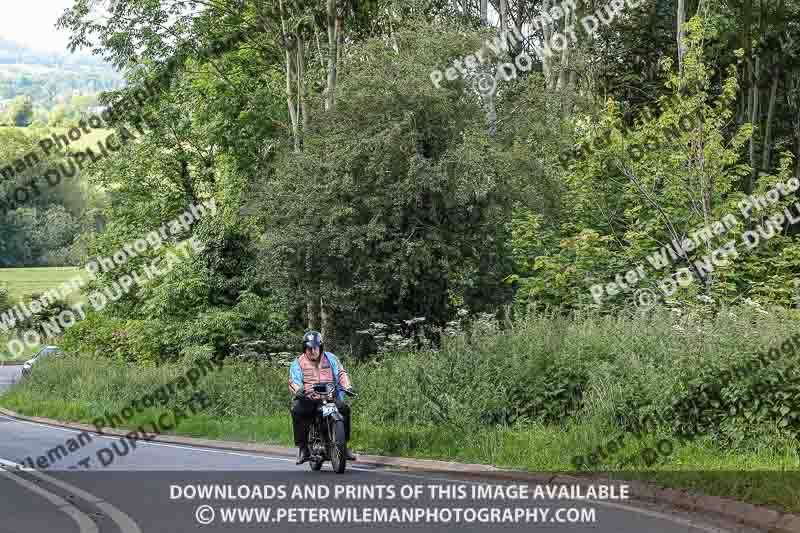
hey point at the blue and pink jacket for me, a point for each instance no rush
(303, 373)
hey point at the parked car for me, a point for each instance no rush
(47, 351)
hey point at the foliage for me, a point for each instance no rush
(44, 228)
(45, 313)
(635, 188)
(345, 177)
(5, 299)
(596, 371)
(399, 214)
(20, 112)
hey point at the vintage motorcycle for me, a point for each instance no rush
(326, 434)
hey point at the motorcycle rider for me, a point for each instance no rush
(315, 365)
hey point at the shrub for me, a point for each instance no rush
(598, 371)
(5, 299)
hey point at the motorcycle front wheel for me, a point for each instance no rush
(337, 444)
(315, 465)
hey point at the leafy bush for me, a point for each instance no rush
(98, 335)
(597, 371)
(5, 299)
(45, 314)
(759, 392)
(165, 339)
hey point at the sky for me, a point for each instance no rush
(31, 23)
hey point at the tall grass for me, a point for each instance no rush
(532, 394)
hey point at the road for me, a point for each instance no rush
(8, 375)
(145, 490)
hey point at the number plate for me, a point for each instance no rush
(328, 409)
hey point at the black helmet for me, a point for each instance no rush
(312, 339)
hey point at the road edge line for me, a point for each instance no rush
(85, 523)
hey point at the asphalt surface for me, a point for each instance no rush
(144, 489)
(8, 375)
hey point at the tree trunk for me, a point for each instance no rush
(792, 92)
(748, 55)
(328, 326)
(708, 181)
(312, 315)
(766, 163)
(340, 39)
(395, 46)
(330, 100)
(754, 121)
(797, 154)
(741, 111)
(491, 115)
(681, 34)
(563, 76)
(319, 49)
(484, 12)
(547, 35)
(293, 118)
(491, 106)
(301, 80)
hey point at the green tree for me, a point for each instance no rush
(21, 111)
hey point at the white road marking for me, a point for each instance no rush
(85, 524)
(152, 443)
(123, 521)
(646, 512)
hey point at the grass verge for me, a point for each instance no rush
(76, 389)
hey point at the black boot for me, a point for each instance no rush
(349, 455)
(303, 455)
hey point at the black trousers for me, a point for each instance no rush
(303, 413)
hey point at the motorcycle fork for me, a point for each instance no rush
(327, 428)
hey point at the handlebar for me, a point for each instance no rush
(300, 394)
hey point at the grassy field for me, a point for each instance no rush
(86, 141)
(24, 281)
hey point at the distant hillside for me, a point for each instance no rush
(51, 78)
(14, 53)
